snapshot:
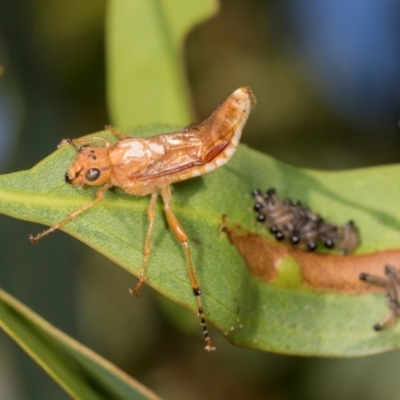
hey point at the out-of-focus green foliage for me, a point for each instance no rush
(146, 80)
(82, 373)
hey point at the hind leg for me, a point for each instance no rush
(117, 133)
(182, 237)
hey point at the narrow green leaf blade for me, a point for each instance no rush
(146, 82)
(82, 373)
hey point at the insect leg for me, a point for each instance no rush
(147, 246)
(117, 133)
(65, 142)
(182, 237)
(74, 214)
(376, 280)
(391, 298)
(388, 320)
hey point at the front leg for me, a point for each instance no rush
(74, 214)
(74, 142)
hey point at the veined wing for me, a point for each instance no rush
(212, 142)
(183, 150)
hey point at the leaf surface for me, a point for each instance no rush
(285, 314)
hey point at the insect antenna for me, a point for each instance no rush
(71, 142)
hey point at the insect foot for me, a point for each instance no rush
(392, 286)
(148, 166)
(291, 221)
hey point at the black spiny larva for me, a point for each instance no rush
(291, 221)
(392, 286)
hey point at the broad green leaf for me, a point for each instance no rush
(146, 80)
(289, 314)
(82, 373)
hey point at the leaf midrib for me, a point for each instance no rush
(62, 202)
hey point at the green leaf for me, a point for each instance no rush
(287, 314)
(146, 81)
(82, 373)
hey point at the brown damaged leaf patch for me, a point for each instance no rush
(324, 272)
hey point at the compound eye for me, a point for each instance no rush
(67, 178)
(92, 174)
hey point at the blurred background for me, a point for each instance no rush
(327, 77)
